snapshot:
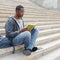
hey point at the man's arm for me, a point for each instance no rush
(9, 29)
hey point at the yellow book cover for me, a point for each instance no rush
(30, 27)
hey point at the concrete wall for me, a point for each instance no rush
(59, 4)
(40, 2)
(51, 4)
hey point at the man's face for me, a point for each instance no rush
(20, 13)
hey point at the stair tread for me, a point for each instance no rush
(19, 55)
(50, 56)
(50, 44)
(40, 31)
(49, 36)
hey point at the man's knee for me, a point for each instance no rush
(27, 33)
(36, 30)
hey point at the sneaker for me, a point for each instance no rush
(34, 49)
(27, 52)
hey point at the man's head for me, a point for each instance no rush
(19, 11)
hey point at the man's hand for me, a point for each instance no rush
(24, 29)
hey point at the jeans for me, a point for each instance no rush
(27, 38)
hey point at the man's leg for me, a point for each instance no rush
(22, 38)
(34, 34)
(28, 39)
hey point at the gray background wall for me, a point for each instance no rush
(40, 2)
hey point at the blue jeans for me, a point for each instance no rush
(27, 38)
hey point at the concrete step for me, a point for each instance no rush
(46, 27)
(13, 10)
(30, 3)
(38, 23)
(41, 23)
(41, 19)
(41, 27)
(29, 16)
(46, 49)
(57, 58)
(16, 3)
(41, 33)
(27, 13)
(33, 17)
(46, 46)
(33, 9)
(49, 32)
(35, 12)
(28, 10)
(39, 41)
(54, 55)
(38, 19)
(46, 39)
(35, 22)
(38, 9)
(2, 20)
(26, 5)
(13, 6)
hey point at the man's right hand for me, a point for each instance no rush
(24, 29)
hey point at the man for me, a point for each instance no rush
(16, 32)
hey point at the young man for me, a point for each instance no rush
(19, 34)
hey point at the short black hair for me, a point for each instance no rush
(19, 7)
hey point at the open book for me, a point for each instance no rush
(30, 27)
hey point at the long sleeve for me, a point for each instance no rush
(9, 29)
